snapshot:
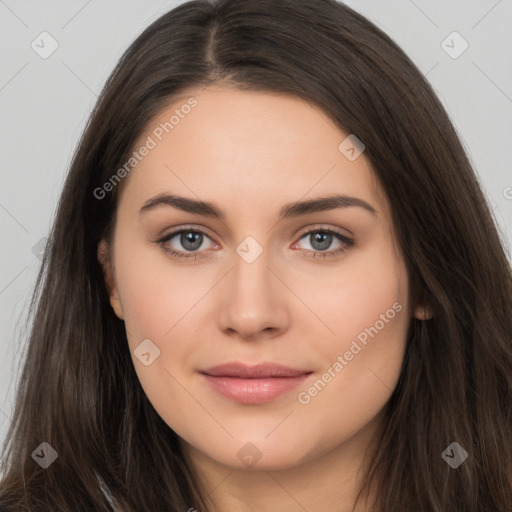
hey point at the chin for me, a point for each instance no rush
(264, 455)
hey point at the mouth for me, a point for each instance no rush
(253, 384)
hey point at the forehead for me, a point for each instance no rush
(246, 149)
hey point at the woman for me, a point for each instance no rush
(273, 283)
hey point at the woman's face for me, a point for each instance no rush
(263, 278)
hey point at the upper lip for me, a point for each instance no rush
(244, 371)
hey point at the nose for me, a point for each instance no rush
(254, 302)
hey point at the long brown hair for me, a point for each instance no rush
(78, 390)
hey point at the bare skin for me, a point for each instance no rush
(251, 153)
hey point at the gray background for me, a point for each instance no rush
(45, 104)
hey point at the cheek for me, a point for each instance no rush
(158, 305)
(157, 296)
(364, 299)
(362, 372)
(164, 304)
(367, 309)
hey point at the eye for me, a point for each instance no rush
(191, 240)
(322, 239)
(192, 243)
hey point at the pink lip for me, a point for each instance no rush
(253, 384)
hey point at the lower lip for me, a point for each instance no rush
(253, 391)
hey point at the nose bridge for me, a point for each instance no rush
(250, 279)
(251, 299)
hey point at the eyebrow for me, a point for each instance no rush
(289, 210)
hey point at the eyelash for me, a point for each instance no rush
(347, 243)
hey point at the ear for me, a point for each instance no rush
(423, 312)
(106, 264)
